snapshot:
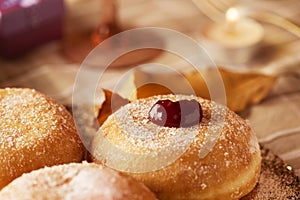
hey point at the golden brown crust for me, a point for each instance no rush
(35, 131)
(230, 170)
(76, 181)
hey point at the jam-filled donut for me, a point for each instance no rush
(35, 131)
(76, 181)
(181, 147)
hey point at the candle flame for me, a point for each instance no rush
(232, 15)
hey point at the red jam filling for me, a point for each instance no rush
(183, 113)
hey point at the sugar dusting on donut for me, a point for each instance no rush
(35, 131)
(76, 181)
(140, 132)
(223, 150)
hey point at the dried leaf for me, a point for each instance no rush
(152, 89)
(243, 89)
(152, 82)
(111, 103)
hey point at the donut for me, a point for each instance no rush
(35, 131)
(76, 181)
(215, 157)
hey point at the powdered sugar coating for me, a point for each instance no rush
(76, 181)
(35, 131)
(221, 152)
(133, 120)
(141, 133)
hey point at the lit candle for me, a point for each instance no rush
(232, 16)
(235, 40)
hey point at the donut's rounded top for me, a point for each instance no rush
(220, 156)
(76, 181)
(36, 131)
